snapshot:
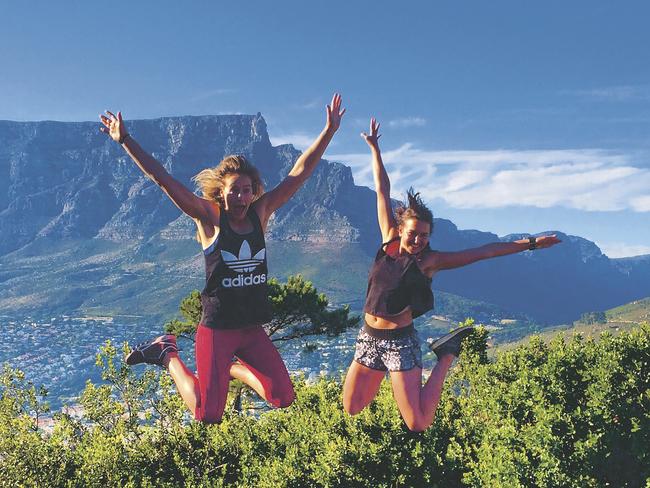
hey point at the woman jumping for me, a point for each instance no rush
(399, 290)
(231, 219)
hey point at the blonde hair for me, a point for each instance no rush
(416, 209)
(211, 181)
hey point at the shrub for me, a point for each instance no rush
(568, 414)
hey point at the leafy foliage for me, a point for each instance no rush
(566, 414)
(190, 310)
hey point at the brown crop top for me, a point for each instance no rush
(396, 283)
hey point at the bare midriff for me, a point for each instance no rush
(398, 321)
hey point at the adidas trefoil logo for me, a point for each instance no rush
(243, 263)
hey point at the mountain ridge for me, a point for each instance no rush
(75, 184)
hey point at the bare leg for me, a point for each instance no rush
(261, 367)
(416, 402)
(242, 373)
(186, 383)
(360, 387)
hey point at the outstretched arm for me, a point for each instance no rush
(449, 260)
(387, 223)
(183, 198)
(304, 166)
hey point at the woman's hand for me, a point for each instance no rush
(373, 138)
(113, 126)
(542, 242)
(334, 113)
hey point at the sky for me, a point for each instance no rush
(507, 116)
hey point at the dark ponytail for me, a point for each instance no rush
(416, 209)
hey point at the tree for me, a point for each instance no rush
(298, 311)
(590, 318)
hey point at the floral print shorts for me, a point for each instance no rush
(400, 353)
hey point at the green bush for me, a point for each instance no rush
(566, 414)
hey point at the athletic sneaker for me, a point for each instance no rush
(450, 343)
(152, 352)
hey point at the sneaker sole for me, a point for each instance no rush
(132, 360)
(168, 340)
(446, 338)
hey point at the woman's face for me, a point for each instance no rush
(414, 235)
(237, 194)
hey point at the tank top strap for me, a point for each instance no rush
(255, 220)
(384, 244)
(382, 249)
(223, 222)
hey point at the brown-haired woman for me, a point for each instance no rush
(231, 218)
(399, 290)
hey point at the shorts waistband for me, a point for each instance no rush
(388, 333)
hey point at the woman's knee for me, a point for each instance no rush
(209, 408)
(416, 424)
(352, 405)
(207, 417)
(282, 397)
(287, 400)
(351, 409)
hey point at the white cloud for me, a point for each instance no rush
(407, 122)
(641, 203)
(622, 250)
(212, 93)
(584, 179)
(300, 140)
(460, 181)
(620, 93)
(311, 104)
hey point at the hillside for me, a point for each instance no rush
(82, 231)
(635, 312)
(616, 321)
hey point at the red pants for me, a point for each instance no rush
(214, 352)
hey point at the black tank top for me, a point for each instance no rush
(236, 294)
(397, 283)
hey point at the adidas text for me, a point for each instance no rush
(243, 280)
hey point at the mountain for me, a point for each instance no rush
(68, 180)
(82, 230)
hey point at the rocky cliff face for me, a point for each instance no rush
(67, 180)
(64, 182)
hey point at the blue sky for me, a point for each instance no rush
(509, 116)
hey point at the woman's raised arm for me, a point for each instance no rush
(188, 202)
(449, 260)
(304, 166)
(387, 223)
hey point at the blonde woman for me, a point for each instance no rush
(231, 218)
(399, 290)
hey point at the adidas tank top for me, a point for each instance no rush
(236, 294)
